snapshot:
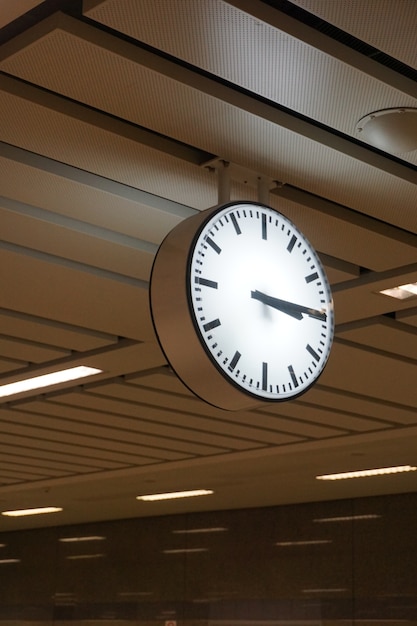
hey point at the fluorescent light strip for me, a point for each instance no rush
(347, 518)
(368, 472)
(78, 539)
(174, 495)
(7, 561)
(79, 557)
(308, 542)
(330, 590)
(195, 531)
(402, 291)
(46, 380)
(39, 511)
(184, 550)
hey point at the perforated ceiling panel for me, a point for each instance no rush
(385, 25)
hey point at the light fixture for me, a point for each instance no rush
(368, 472)
(153, 497)
(78, 539)
(328, 590)
(38, 511)
(393, 130)
(184, 550)
(7, 561)
(195, 531)
(46, 380)
(307, 542)
(347, 518)
(79, 557)
(402, 292)
(134, 594)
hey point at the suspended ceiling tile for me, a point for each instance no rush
(163, 423)
(13, 10)
(383, 333)
(98, 458)
(160, 428)
(385, 25)
(118, 256)
(252, 54)
(42, 461)
(10, 365)
(29, 351)
(164, 380)
(361, 371)
(337, 417)
(280, 423)
(363, 405)
(78, 200)
(53, 333)
(194, 415)
(104, 300)
(118, 426)
(31, 126)
(100, 436)
(407, 316)
(345, 234)
(361, 299)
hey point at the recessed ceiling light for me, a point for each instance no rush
(307, 542)
(368, 472)
(347, 518)
(46, 380)
(402, 292)
(38, 511)
(153, 497)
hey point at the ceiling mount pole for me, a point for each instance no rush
(263, 190)
(223, 179)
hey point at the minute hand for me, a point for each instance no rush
(290, 308)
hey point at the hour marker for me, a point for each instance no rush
(312, 352)
(213, 244)
(234, 361)
(311, 277)
(293, 376)
(235, 224)
(206, 282)
(264, 226)
(212, 324)
(292, 243)
(264, 376)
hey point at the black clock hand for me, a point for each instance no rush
(290, 308)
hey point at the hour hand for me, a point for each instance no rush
(290, 308)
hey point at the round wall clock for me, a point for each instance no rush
(241, 306)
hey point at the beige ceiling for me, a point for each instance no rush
(116, 117)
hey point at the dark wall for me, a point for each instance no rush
(248, 568)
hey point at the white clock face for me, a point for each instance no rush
(260, 300)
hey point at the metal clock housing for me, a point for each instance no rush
(252, 303)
